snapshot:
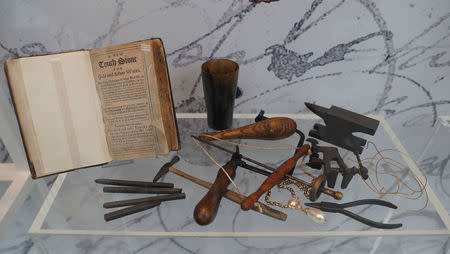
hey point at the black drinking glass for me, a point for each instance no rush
(219, 86)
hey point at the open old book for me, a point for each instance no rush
(89, 107)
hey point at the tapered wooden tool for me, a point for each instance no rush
(269, 129)
(205, 211)
(275, 178)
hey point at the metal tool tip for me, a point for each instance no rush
(196, 136)
(315, 108)
(308, 104)
(313, 205)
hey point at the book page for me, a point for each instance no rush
(59, 97)
(125, 81)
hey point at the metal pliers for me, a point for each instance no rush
(339, 208)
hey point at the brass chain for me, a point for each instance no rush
(285, 185)
(275, 203)
(306, 189)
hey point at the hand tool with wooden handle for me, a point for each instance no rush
(269, 129)
(316, 184)
(260, 117)
(233, 196)
(206, 209)
(165, 168)
(275, 178)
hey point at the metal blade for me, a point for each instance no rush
(334, 194)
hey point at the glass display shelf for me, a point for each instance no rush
(15, 180)
(435, 159)
(14, 188)
(71, 217)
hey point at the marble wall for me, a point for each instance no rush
(371, 56)
(4, 155)
(385, 57)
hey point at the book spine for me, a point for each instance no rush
(162, 73)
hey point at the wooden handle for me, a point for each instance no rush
(206, 209)
(269, 129)
(233, 196)
(274, 178)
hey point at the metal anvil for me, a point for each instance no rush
(340, 126)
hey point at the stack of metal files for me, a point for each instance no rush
(139, 204)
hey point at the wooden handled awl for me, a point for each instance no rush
(275, 178)
(269, 129)
(205, 211)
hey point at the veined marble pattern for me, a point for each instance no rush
(383, 57)
(4, 155)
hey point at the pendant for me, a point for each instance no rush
(316, 215)
(293, 203)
